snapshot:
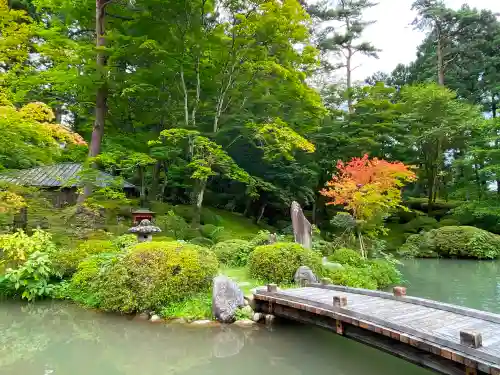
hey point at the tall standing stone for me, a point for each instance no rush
(302, 229)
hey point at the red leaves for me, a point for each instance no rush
(368, 186)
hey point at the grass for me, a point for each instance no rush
(239, 225)
(197, 307)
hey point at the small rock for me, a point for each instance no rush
(155, 318)
(304, 275)
(246, 302)
(201, 322)
(244, 323)
(251, 301)
(257, 317)
(178, 321)
(143, 316)
(269, 318)
(227, 298)
(332, 266)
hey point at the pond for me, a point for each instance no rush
(63, 339)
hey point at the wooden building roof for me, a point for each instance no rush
(54, 176)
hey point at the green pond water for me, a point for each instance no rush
(62, 339)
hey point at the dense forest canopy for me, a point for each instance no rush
(212, 102)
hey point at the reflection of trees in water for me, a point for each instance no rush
(65, 339)
(468, 283)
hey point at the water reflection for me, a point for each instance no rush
(60, 339)
(469, 283)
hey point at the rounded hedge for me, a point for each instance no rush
(149, 276)
(202, 241)
(346, 256)
(353, 277)
(233, 253)
(66, 261)
(420, 223)
(278, 262)
(454, 242)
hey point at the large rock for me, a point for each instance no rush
(227, 298)
(302, 229)
(304, 275)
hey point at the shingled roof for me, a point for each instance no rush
(53, 176)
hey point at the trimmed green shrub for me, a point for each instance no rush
(448, 222)
(278, 262)
(233, 253)
(383, 273)
(261, 238)
(151, 275)
(347, 257)
(66, 261)
(124, 241)
(454, 241)
(208, 230)
(353, 277)
(419, 224)
(209, 217)
(202, 241)
(175, 226)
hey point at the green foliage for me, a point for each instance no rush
(454, 241)
(278, 262)
(209, 230)
(32, 278)
(323, 247)
(124, 241)
(150, 276)
(233, 253)
(66, 261)
(347, 257)
(16, 247)
(353, 277)
(420, 223)
(261, 238)
(196, 307)
(176, 227)
(202, 241)
(448, 222)
(384, 273)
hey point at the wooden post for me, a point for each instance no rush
(339, 301)
(272, 288)
(472, 339)
(339, 327)
(470, 371)
(399, 291)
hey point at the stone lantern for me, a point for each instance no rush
(142, 214)
(144, 231)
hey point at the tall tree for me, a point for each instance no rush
(343, 38)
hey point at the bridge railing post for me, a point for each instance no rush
(399, 291)
(471, 338)
(272, 288)
(339, 301)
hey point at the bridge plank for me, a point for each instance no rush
(426, 320)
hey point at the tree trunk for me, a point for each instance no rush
(101, 95)
(142, 193)
(155, 183)
(440, 63)
(248, 205)
(349, 79)
(199, 202)
(261, 213)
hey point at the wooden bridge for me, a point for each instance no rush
(445, 338)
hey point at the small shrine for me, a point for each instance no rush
(144, 231)
(142, 214)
